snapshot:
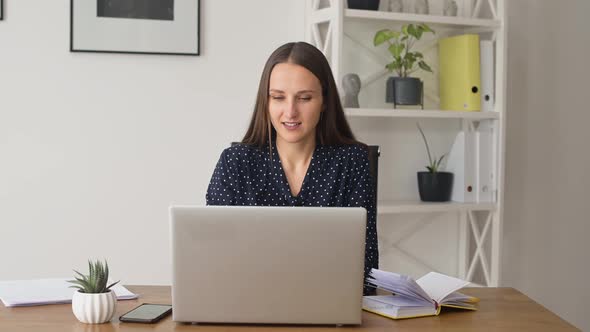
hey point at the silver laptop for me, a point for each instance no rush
(269, 265)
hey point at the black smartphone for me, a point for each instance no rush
(147, 313)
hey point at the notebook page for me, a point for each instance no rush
(398, 284)
(399, 301)
(396, 307)
(438, 286)
(460, 297)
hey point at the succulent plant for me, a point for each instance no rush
(433, 163)
(95, 281)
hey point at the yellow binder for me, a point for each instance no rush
(459, 73)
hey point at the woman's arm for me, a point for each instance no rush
(222, 187)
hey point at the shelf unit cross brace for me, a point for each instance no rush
(480, 242)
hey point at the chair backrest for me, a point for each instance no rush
(374, 153)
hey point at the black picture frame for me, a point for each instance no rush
(87, 26)
(1, 10)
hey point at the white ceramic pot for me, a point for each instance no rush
(94, 308)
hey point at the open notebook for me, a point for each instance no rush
(416, 298)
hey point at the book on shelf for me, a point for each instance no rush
(416, 298)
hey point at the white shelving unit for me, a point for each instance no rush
(417, 114)
(478, 221)
(398, 207)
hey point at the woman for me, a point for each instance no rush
(299, 149)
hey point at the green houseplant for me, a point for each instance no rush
(404, 89)
(434, 185)
(94, 302)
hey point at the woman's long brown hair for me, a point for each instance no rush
(332, 129)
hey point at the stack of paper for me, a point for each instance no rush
(46, 291)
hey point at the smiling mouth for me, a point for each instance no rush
(291, 124)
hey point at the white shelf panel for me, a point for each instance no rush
(435, 20)
(396, 207)
(405, 113)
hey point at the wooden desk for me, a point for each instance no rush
(500, 309)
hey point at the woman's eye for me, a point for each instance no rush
(277, 97)
(305, 98)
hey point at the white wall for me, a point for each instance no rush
(94, 147)
(546, 224)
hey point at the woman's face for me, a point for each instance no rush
(294, 103)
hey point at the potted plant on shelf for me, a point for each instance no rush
(403, 89)
(434, 185)
(94, 302)
(363, 4)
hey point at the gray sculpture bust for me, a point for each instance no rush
(351, 83)
(395, 6)
(421, 7)
(450, 8)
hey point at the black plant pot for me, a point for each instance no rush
(404, 91)
(363, 4)
(435, 187)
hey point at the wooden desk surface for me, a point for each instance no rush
(500, 309)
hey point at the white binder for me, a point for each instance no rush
(461, 163)
(486, 56)
(486, 189)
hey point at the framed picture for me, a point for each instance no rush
(1, 9)
(135, 26)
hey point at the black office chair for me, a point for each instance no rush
(374, 153)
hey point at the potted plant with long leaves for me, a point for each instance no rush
(404, 89)
(434, 185)
(94, 302)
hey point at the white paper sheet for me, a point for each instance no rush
(438, 286)
(15, 293)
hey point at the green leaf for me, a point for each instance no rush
(424, 66)
(418, 55)
(80, 274)
(418, 34)
(92, 279)
(113, 284)
(409, 64)
(384, 35)
(425, 28)
(78, 283)
(440, 160)
(393, 66)
(405, 30)
(104, 278)
(425, 142)
(412, 31)
(396, 49)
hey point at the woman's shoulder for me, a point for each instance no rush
(358, 151)
(239, 152)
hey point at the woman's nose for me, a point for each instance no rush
(291, 108)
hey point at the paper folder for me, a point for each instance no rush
(486, 54)
(459, 66)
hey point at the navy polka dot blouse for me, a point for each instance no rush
(337, 176)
